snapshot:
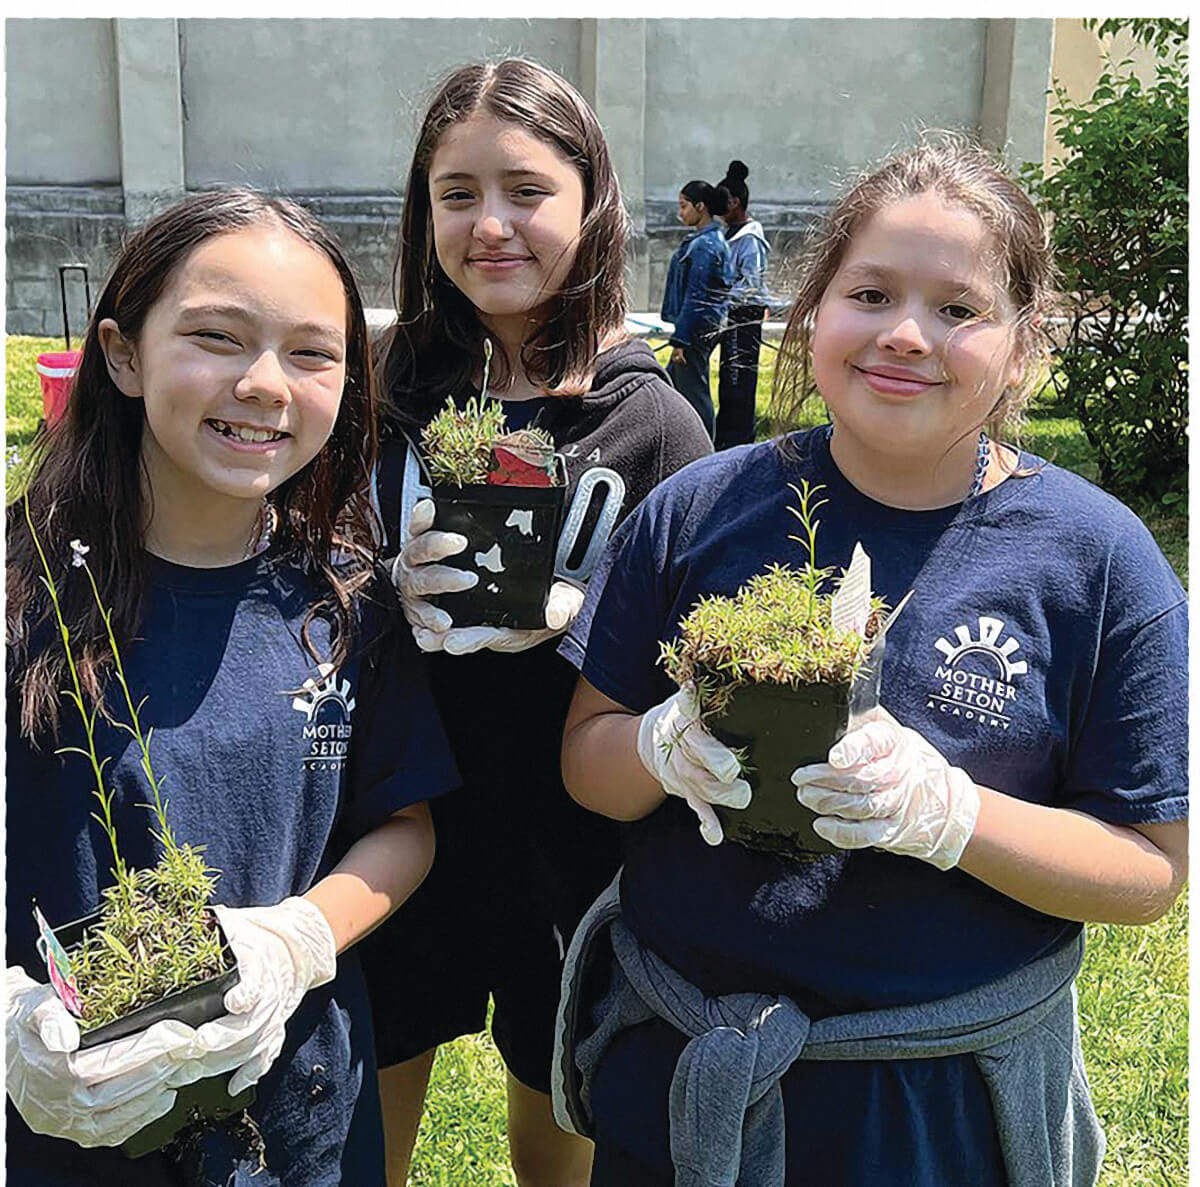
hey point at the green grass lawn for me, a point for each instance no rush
(1133, 997)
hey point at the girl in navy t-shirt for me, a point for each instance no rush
(899, 1011)
(213, 470)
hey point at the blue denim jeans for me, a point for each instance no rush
(691, 381)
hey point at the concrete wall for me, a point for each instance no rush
(806, 104)
(60, 92)
(111, 119)
(803, 102)
(336, 103)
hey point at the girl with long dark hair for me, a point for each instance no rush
(513, 233)
(213, 470)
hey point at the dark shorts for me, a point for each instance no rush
(492, 919)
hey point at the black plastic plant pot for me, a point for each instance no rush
(779, 728)
(207, 1099)
(512, 537)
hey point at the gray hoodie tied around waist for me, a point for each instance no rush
(726, 1104)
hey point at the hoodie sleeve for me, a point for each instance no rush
(750, 267)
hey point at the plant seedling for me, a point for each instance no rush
(154, 941)
(773, 668)
(468, 446)
(505, 493)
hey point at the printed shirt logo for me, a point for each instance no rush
(978, 680)
(326, 704)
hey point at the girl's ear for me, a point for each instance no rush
(120, 355)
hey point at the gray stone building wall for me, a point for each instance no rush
(109, 119)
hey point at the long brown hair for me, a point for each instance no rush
(437, 343)
(87, 474)
(965, 175)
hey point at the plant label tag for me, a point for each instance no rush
(58, 965)
(851, 605)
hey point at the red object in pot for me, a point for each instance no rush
(511, 470)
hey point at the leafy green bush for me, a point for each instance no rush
(1119, 214)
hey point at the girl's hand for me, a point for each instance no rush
(689, 762)
(561, 607)
(886, 787)
(416, 575)
(282, 952)
(97, 1097)
(677, 355)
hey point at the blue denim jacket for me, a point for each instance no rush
(698, 282)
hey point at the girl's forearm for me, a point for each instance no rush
(1071, 865)
(378, 873)
(601, 768)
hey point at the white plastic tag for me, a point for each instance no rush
(851, 604)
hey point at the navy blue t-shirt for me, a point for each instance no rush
(1043, 651)
(277, 765)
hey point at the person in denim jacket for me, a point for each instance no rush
(697, 294)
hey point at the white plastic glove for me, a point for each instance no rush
(561, 607)
(885, 786)
(282, 953)
(689, 762)
(97, 1097)
(416, 575)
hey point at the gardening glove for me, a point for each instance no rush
(416, 574)
(689, 762)
(561, 607)
(885, 786)
(97, 1097)
(282, 952)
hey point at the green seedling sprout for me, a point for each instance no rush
(777, 629)
(155, 935)
(459, 441)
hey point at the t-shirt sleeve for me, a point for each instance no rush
(615, 639)
(1128, 759)
(399, 754)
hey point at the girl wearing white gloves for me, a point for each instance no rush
(1031, 773)
(513, 232)
(213, 469)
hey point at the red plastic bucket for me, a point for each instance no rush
(56, 370)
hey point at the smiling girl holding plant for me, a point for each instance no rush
(513, 234)
(899, 1011)
(213, 468)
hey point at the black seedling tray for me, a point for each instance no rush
(516, 595)
(208, 1098)
(192, 1006)
(779, 729)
